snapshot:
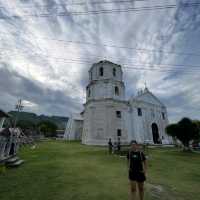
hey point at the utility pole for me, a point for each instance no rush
(19, 107)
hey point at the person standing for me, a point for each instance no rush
(110, 146)
(137, 170)
(118, 145)
(114, 148)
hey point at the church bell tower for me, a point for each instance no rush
(105, 106)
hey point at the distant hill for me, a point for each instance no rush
(32, 117)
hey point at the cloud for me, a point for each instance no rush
(52, 74)
(41, 99)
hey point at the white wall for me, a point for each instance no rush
(106, 89)
(101, 123)
(151, 113)
(74, 129)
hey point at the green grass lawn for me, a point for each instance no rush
(58, 170)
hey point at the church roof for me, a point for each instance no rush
(148, 97)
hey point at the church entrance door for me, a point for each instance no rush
(155, 133)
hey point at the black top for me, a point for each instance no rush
(110, 144)
(136, 158)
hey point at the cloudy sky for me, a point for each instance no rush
(47, 47)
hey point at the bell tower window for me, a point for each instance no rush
(118, 114)
(114, 72)
(116, 91)
(139, 110)
(101, 71)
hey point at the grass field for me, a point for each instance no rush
(57, 170)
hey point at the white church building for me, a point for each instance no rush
(107, 113)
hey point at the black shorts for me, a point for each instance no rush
(137, 176)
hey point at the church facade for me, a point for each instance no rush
(107, 113)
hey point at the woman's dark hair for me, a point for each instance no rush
(133, 142)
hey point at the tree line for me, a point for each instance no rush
(47, 128)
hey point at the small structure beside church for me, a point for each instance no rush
(9, 143)
(74, 127)
(107, 113)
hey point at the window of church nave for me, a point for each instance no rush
(139, 110)
(116, 91)
(152, 113)
(91, 75)
(163, 115)
(119, 132)
(101, 71)
(118, 114)
(114, 72)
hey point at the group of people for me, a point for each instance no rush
(114, 147)
(137, 169)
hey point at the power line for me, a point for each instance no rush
(106, 11)
(192, 67)
(122, 47)
(126, 66)
(116, 46)
(77, 3)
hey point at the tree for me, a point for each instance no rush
(185, 130)
(26, 124)
(197, 140)
(48, 128)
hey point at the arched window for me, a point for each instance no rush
(155, 132)
(163, 115)
(89, 92)
(101, 71)
(114, 72)
(116, 91)
(139, 110)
